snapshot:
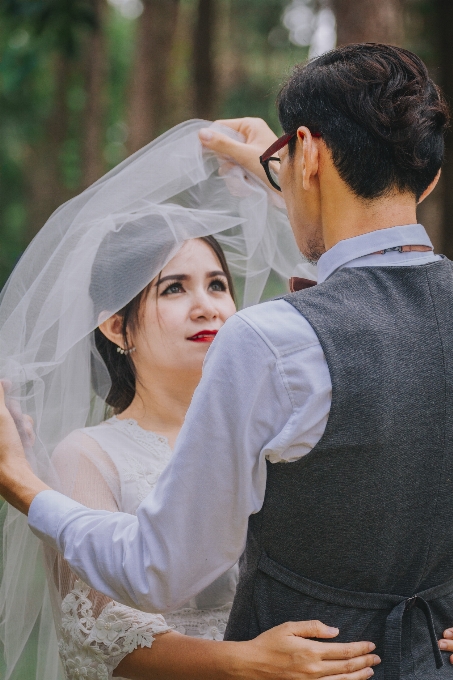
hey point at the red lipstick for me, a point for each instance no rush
(203, 336)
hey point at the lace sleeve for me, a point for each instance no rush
(95, 633)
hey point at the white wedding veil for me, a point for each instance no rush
(94, 254)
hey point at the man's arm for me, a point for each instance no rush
(193, 526)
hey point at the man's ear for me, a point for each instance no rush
(431, 187)
(309, 154)
(112, 328)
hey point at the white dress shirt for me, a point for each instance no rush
(265, 394)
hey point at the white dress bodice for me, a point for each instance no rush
(92, 643)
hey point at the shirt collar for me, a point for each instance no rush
(366, 244)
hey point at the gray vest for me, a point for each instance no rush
(359, 532)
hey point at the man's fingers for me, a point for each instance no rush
(345, 650)
(9, 404)
(28, 425)
(245, 155)
(6, 385)
(257, 135)
(24, 423)
(233, 123)
(253, 129)
(224, 145)
(3, 388)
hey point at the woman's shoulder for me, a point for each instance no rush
(78, 458)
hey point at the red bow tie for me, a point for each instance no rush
(296, 283)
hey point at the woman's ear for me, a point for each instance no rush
(112, 328)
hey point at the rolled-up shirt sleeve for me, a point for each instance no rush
(192, 527)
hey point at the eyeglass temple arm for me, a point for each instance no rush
(279, 144)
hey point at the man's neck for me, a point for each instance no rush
(344, 215)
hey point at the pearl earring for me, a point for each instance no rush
(125, 351)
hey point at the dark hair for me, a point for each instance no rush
(121, 366)
(379, 113)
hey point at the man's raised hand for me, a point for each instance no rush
(18, 484)
(258, 137)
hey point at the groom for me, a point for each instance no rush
(321, 435)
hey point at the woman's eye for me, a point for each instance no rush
(173, 288)
(218, 285)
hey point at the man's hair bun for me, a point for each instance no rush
(379, 112)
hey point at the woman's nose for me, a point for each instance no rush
(204, 307)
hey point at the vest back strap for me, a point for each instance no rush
(397, 605)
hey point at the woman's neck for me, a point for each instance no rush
(161, 405)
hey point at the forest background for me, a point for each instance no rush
(85, 83)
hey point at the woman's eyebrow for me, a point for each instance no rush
(172, 277)
(184, 277)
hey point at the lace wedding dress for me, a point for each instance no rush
(113, 466)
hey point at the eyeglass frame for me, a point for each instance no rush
(279, 143)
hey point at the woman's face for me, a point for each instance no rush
(186, 306)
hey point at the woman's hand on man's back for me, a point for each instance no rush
(284, 653)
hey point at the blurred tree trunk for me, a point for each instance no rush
(445, 41)
(203, 60)
(93, 121)
(369, 21)
(147, 108)
(46, 190)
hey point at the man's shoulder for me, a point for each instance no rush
(280, 325)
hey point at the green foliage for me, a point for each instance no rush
(58, 21)
(34, 34)
(266, 55)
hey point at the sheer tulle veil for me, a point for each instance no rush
(170, 191)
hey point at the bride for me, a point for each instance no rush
(162, 336)
(90, 317)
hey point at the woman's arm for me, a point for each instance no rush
(95, 633)
(282, 652)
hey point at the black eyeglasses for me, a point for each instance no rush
(268, 156)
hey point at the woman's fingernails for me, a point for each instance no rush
(205, 134)
(334, 631)
(376, 660)
(443, 644)
(448, 634)
(371, 646)
(370, 672)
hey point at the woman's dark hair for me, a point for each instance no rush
(379, 113)
(121, 366)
